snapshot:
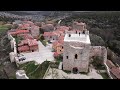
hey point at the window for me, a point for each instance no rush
(76, 56)
(66, 57)
(76, 32)
(83, 32)
(60, 50)
(62, 47)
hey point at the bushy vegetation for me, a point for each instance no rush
(104, 75)
(3, 28)
(98, 63)
(59, 58)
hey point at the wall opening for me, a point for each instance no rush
(76, 56)
(69, 35)
(75, 70)
(83, 32)
(66, 57)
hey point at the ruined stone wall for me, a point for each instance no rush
(79, 27)
(99, 51)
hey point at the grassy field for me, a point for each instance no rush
(3, 28)
(35, 71)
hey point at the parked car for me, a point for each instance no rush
(21, 59)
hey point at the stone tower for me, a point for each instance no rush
(76, 52)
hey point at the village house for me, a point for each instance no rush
(34, 30)
(52, 36)
(64, 29)
(58, 46)
(28, 45)
(47, 27)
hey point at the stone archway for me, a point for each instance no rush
(75, 70)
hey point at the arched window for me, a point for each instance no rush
(76, 32)
(76, 56)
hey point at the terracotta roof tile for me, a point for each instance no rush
(23, 48)
(116, 72)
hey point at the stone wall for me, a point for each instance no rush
(13, 47)
(98, 51)
(73, 50)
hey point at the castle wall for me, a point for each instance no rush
(98, 51)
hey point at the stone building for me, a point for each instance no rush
(76, 52)
(79, 26)
(34, 30)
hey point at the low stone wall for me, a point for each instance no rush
(13, 46)
(46, 72)
(107, 69)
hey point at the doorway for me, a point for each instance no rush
(75, 70)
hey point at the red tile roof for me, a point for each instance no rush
(55, 54)
(19, 32)
(110, 64)
(29, 42)
(55, 43)
(49, 34)
(23, 48)
(26, 36)
(115, 72)
(32, 42)
(23, 42)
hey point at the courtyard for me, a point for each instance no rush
(40, 56)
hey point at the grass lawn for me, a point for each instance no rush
(35, 71)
